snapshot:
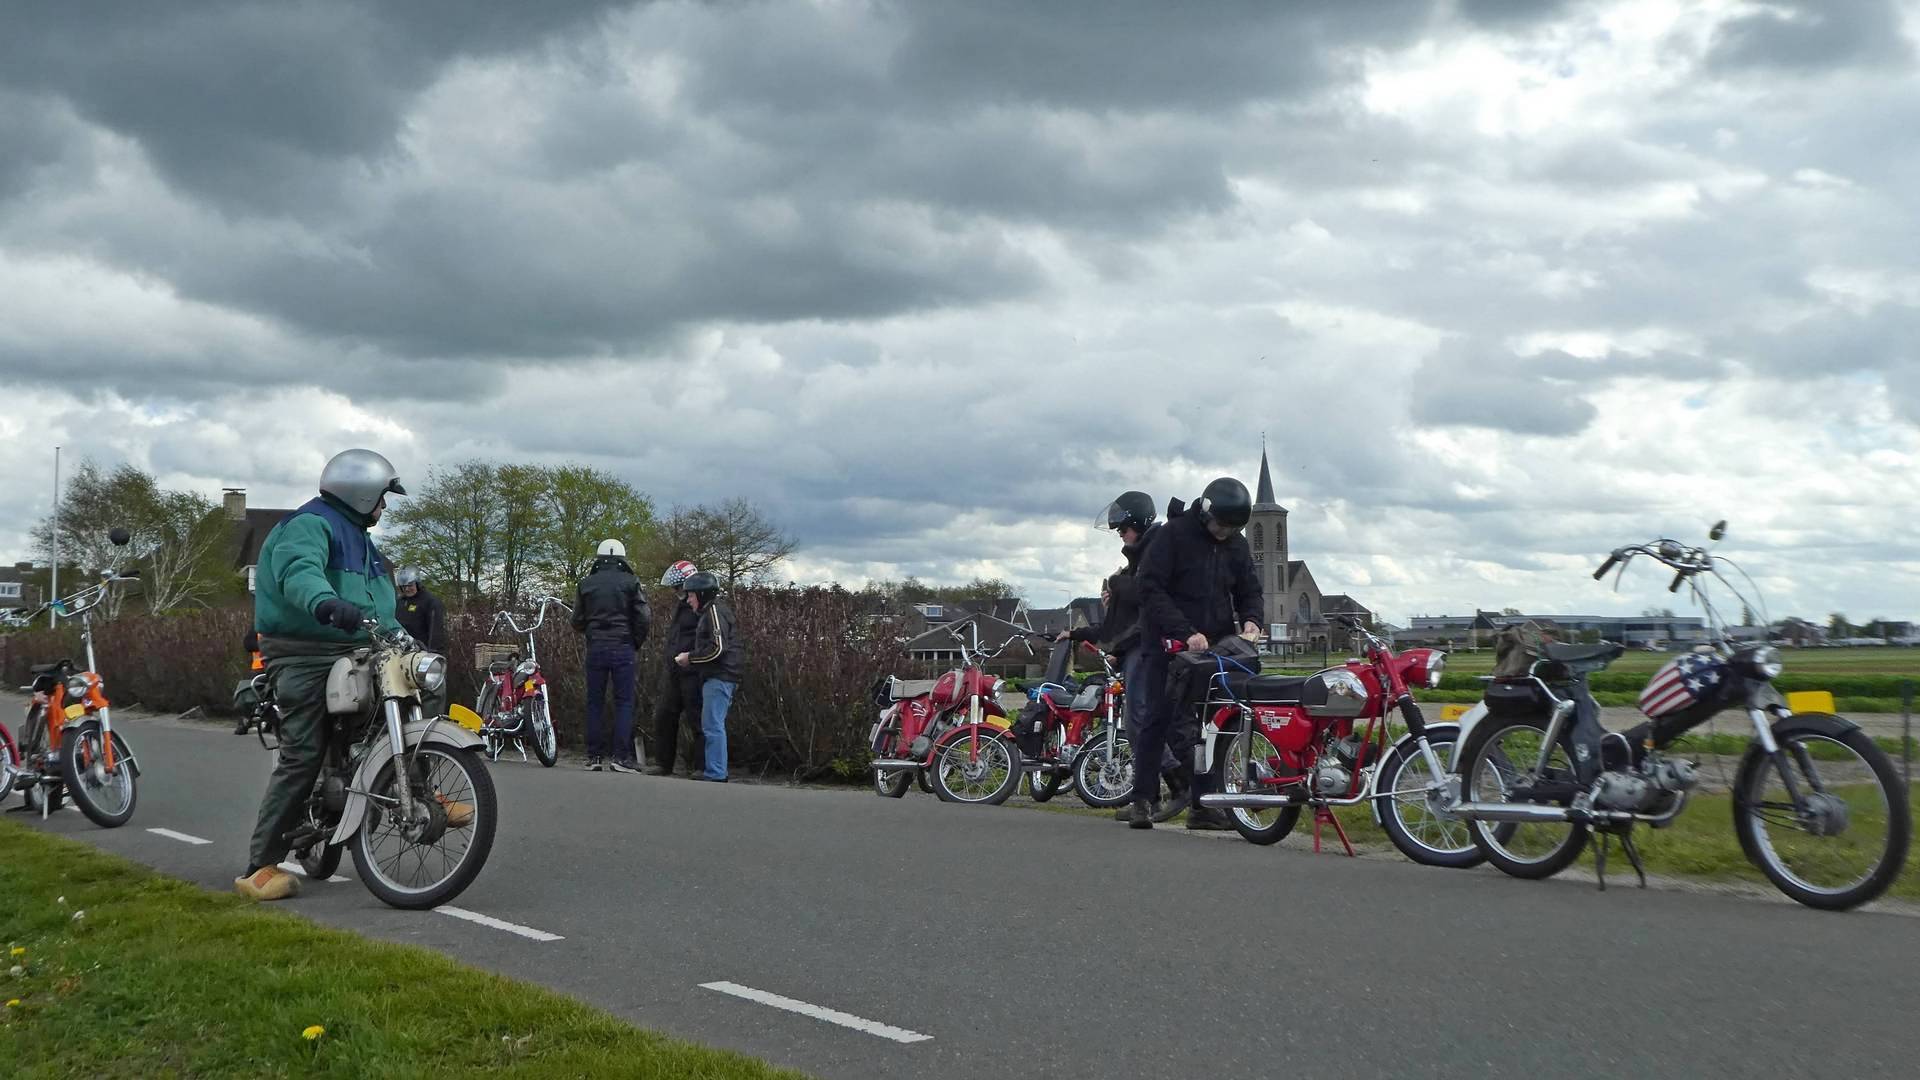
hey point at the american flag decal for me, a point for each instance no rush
(1681, 684)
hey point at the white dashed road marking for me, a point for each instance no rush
(292, 867)
(499, 924)
(180, 836)
(831, 1016)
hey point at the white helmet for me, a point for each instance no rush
(614, 548)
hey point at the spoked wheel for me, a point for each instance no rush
(892, 783)
(1044, 785)
(980, 769)
(545, 746)
(427, 860)
(1410, 807)
(1846, 838)
(9, 762)
(101, 784)
(1103, 776)
(1502, 759)
(1258, 826)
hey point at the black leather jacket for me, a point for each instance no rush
(717, 652)
(1189, 581)
(609, 606)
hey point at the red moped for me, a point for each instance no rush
(949, 734)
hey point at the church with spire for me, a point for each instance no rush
(1296, 609)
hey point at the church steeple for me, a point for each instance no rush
(1263, 498)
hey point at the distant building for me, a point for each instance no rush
(23, 587)
(247, 531)
(1641, 631)
(1295, 608)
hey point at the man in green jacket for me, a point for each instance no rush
(319, 578)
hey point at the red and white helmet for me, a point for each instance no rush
(678, 573)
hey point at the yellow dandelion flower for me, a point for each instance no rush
(313, 1033)
(13, 1003)
(17, 950)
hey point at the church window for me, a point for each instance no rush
(1258, 536)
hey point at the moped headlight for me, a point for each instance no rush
(1436, 666)
(430, 671)
(77, 687)
(1765, 660)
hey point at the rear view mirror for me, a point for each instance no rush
(119, 537)
(1719, 530)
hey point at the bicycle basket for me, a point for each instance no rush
(488, 653)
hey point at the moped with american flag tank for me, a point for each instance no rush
(1817, 804)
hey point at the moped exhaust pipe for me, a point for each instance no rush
(1248, 801)
(896, 763)
(1488, 811)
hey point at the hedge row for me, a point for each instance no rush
(802, 710)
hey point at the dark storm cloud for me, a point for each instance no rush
(1472, 385)
(253, 105)
(1811, 35)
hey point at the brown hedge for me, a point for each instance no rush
(802, 710)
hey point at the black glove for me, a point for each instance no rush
(338, 614)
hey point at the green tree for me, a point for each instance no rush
(451, 528)
(521, 528)
(582, 506)
(1838, 627)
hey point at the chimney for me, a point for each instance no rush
(236, 504)
(23, 567)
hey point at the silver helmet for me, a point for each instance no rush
(360, 478)
(407, 575)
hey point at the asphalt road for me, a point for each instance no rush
(1026, 943)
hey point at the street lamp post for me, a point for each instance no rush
(53, 584)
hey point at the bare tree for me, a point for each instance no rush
(175, 535)
(739, 544)
(182, 541)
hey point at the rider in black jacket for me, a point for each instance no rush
(611, 610)
(1198, 585)
(1131, 515)
(680, 691)
(718, 656)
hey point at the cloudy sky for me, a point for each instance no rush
(1505, 283)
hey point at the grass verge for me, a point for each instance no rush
(127, 973)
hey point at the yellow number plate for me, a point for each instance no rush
(1805, 701)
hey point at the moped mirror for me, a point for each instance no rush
(1719, 530)
(119, 537)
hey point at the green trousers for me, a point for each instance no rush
(300, 686)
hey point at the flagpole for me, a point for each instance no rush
(53, 586)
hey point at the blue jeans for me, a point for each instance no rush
(1148, 720)
(610, 664)
(716, 697)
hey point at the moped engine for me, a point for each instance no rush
(1652, 787)
(333, 795)
(1331, 778)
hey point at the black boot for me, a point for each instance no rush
(1141, 815)
(1207, 819)
(1125, 813)
(1180, 788)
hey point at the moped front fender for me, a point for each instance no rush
(416, 732)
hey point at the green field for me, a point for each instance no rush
(1865, 661)
(123, 972)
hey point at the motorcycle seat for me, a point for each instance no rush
(1579, 654)
(903, 689)
(48, 669)
(1267, 689)
(1061, 696)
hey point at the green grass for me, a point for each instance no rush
(1699, 844)
(160, 978)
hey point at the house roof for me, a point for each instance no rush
(1050, 620)
(1342, 603)
(246, 536)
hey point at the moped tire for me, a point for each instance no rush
(892, 783)
(1253, 825)
(1042, 786)
(1554, 845)
(994, 754)
(1751, 819)
(1088, 765)
(546, 745)
(378, 828)
(81, 753)
(1459, 855)
(9, 762)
